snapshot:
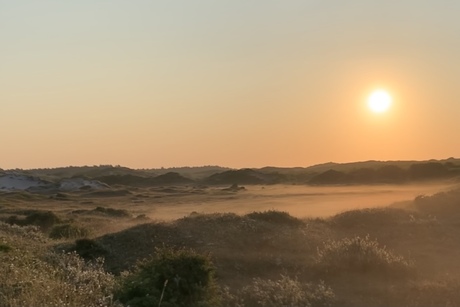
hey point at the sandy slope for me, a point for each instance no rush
(20, 182)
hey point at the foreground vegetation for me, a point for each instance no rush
(371, 257)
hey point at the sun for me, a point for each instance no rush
(379, 101)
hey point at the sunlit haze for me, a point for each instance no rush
(149, 84)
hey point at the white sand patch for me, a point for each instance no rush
(10, 182)
(79, 183)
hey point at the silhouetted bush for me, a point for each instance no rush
(68, 231)
(391, 174)
(331, 177)
(171, 278)
(275, 217)
(363, 175)
(431, 170)
(241, 176)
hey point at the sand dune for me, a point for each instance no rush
(9, 182)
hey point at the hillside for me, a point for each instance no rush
(367, 172)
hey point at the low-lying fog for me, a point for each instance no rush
(300, 201)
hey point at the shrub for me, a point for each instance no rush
(43, 219)
(361, 255)
(30, 275)
(286, 292)
(89, 249)
(275, 217)
(112, 212)
(371, 218)
(444, 205)
(428, 293)
(14, 220)
(4, 247)
(22, 234)
(68, 231)
(171, 278)
(57, 280)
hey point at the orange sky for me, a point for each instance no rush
(231, 83)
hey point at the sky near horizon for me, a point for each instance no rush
(149, 84)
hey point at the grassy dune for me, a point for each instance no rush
(386, 256)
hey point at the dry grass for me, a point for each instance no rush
(284, 291)
(31, 275)
(361, 256)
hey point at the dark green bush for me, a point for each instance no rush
(14, 220)
(89, 249)
(172, 278)
(43, 219)
(68, 231)
(4, 247)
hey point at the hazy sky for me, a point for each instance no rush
(234, 83)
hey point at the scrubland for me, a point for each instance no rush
(381, 245)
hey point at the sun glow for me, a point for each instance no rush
(379, 101)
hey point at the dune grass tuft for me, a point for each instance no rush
(31, 275)
(285, 291)
(68, 231)
(362, 256)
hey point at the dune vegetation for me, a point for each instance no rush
(386, 256)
